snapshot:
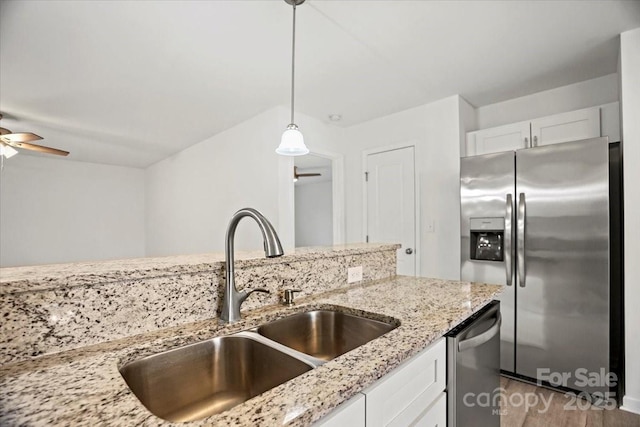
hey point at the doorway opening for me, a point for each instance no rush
(313, 194)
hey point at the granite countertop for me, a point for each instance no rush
(41, 277)
(84, 387)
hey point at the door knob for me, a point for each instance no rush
(408, 251)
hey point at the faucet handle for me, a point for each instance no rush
(245, 293)
(287, 296)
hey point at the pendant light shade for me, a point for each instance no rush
(292, 142)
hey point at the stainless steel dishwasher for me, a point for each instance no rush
(473, 370)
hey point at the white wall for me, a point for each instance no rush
(630, 90)
(192, 195)
(468, 122)
(54, 210)
(434, 129)
(314, 214)
(439, 172)
(590, 93)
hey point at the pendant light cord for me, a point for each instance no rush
(293, 61)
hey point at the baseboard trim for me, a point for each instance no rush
(630, 404)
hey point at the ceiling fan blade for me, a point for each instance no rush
(16, 138)
(22, 139)
(39, 148)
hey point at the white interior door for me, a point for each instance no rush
(390, 188)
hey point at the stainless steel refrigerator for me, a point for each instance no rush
(537, 220)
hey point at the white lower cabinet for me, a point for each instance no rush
(411, 395)
(350, 413)
(402, 396)
(433, 416)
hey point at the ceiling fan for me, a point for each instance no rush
(297, 175)
(9, 141)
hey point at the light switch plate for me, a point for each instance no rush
(430, 226)
(354, 274)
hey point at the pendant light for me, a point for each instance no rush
(292, 142)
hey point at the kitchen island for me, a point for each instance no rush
(84, 386)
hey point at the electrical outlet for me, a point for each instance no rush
(354, 274)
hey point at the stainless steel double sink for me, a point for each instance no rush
(206, 378)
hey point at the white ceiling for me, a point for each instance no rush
(132, 82)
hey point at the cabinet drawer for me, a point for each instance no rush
(408, 391)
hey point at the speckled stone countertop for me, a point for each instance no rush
(40, 277)
(52, 308)
(84, 387)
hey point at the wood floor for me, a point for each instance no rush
(525, 405)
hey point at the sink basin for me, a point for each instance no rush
(203, 379)
(324, 334)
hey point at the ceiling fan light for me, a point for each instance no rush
(7, 151)
(292, 142)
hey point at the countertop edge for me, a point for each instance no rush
(14, 280)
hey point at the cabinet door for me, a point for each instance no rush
(402, 396)
(350, 413)
(494, 140)
(433, 416)
(571, 126)
(610, 121)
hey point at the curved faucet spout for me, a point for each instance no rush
(272, 248)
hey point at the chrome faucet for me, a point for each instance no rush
(233, 298)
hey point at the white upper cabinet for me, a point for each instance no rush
(564, 127)
(571, 126)
(501, 138)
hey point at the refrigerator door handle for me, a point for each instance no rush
(478, 340)
(522, 217)
(508, 227)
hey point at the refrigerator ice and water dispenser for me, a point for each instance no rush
(487, 237)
